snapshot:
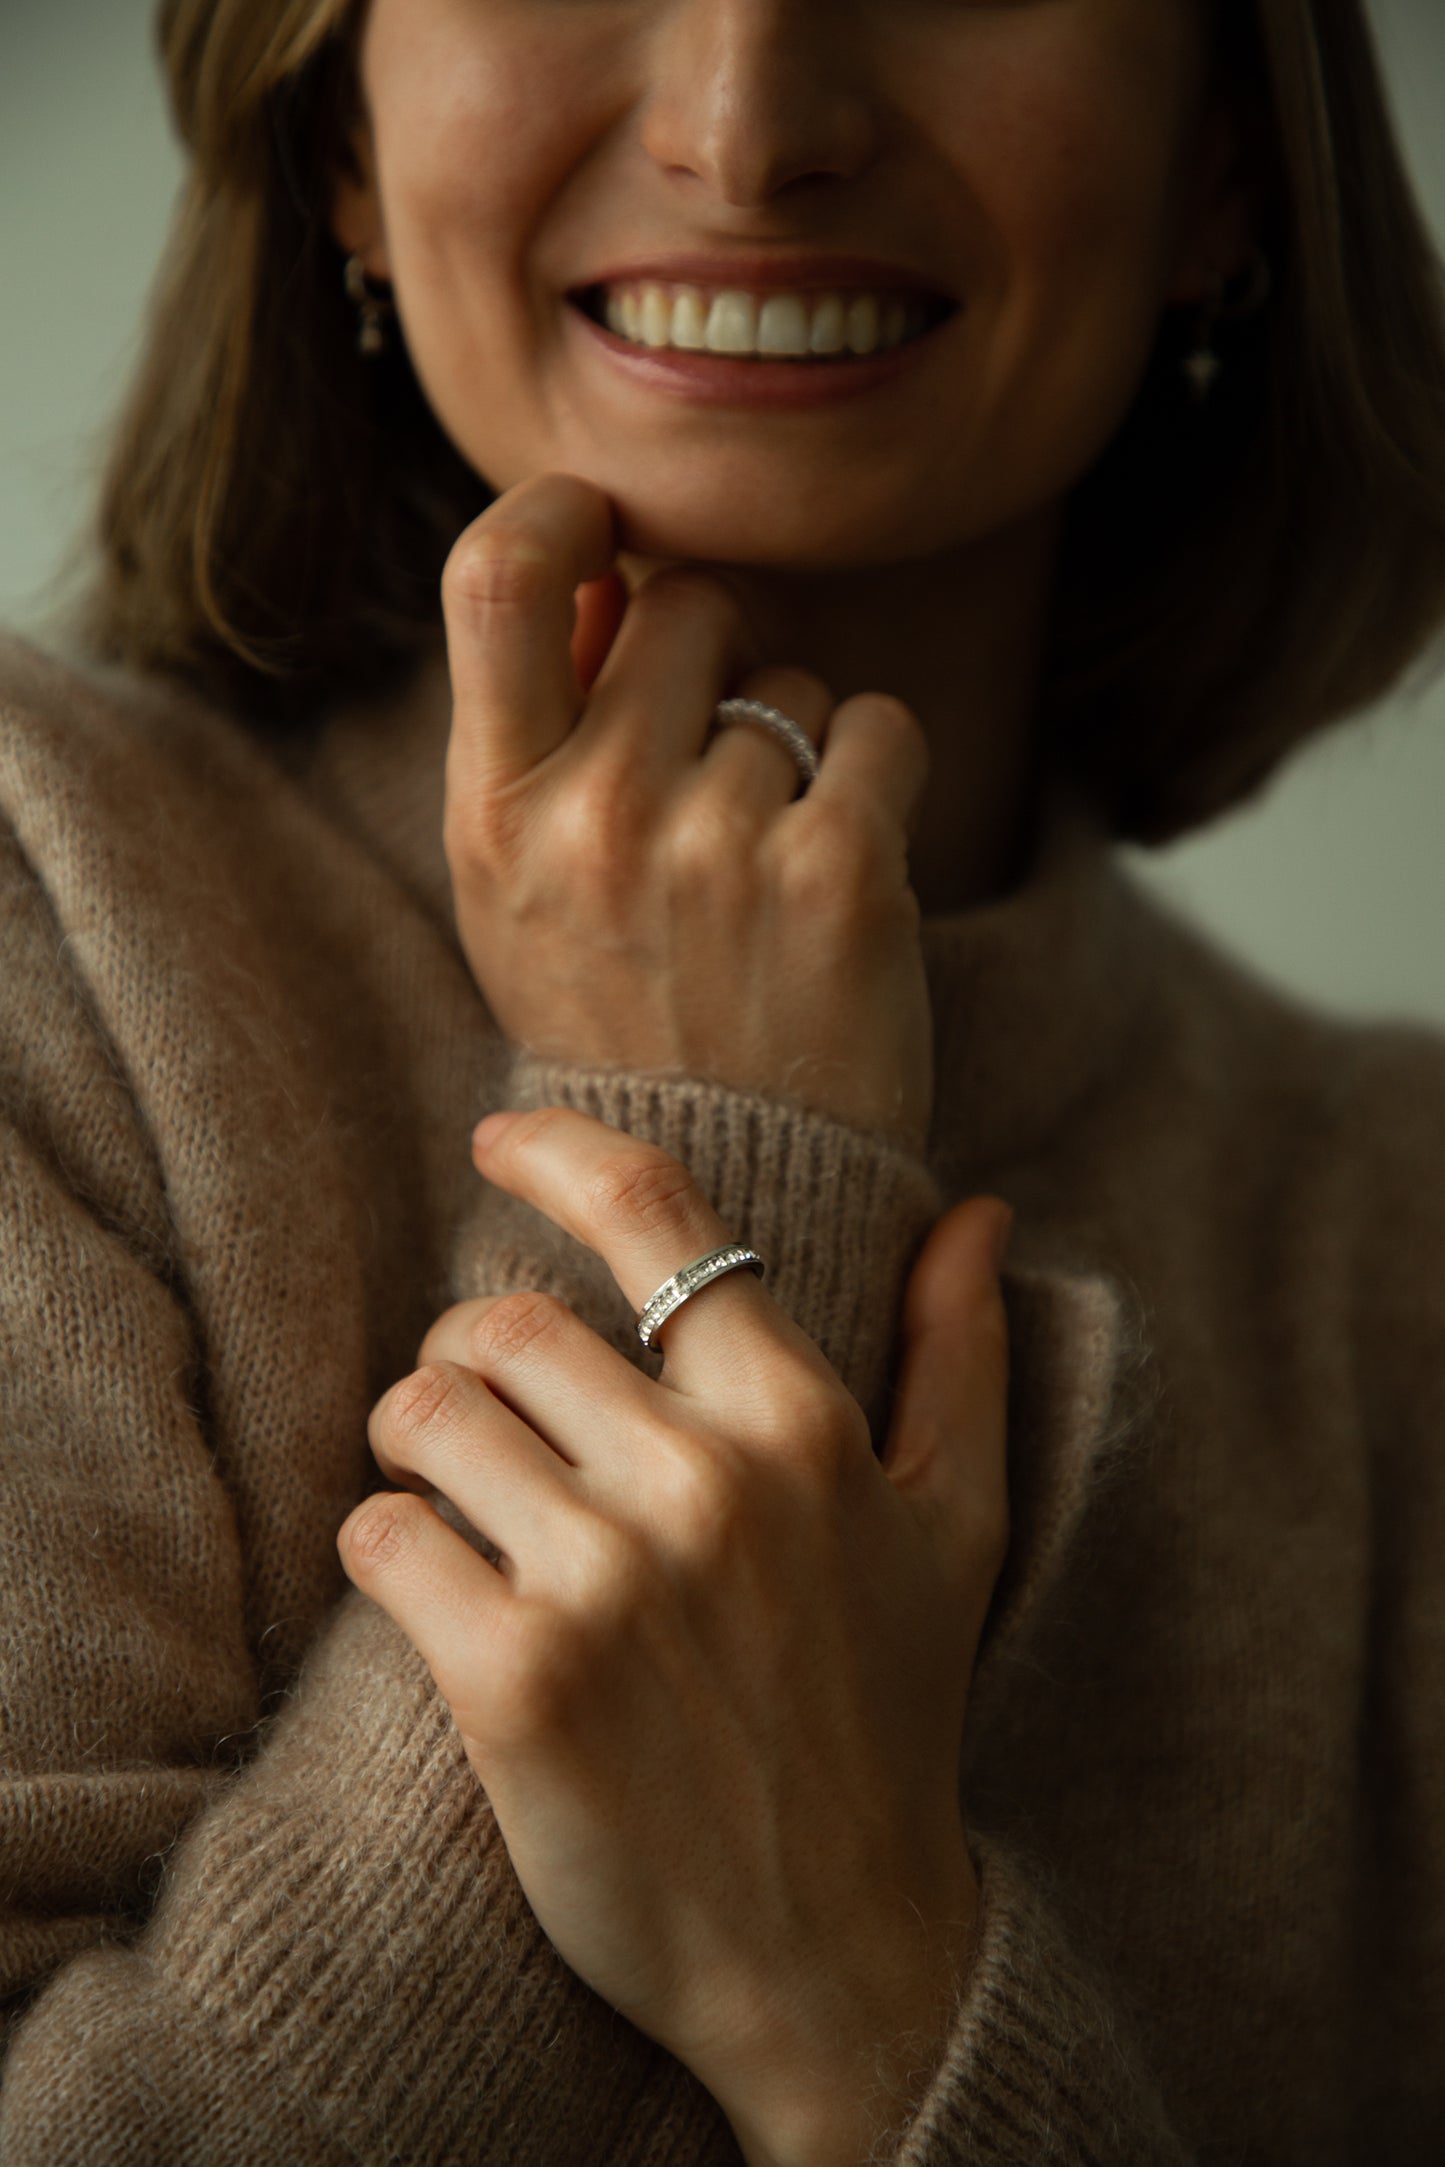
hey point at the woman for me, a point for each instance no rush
(898, 1715)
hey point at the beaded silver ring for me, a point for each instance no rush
(780, 726)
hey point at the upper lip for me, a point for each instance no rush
(758, 272)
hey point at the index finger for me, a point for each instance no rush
(509, 598)
(641, 1211)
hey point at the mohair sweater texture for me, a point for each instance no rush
(254, 1906)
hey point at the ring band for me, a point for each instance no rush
(684, 1284)
(778, 725)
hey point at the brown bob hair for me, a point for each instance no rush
(275, 509)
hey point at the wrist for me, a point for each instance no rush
(831, 2093)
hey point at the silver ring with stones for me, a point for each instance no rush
(684, 1284)
(778, 725)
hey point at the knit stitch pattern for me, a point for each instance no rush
(254, 1905)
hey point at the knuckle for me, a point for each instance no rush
(712, 838)
(833, 858)
(644, 1189)
(609, 806)
(483, 831)
(510, 1328)
(832, 1441)
(843, 834)
(502, 568)
(807, 1420)
(541, 1678)
(550, 1672)
(700, 1496)
(381, 1531)
(610, 1568)
(595, 835)
(423, 1400)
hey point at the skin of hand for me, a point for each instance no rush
(631, 894)
(715, 1683)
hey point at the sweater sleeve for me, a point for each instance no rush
(342, 1967)
(837, 1214)
(227, 1937)
(1040, 2068)
(340, 1964)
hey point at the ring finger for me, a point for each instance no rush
(747, 760)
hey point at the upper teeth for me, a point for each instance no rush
(788, 324)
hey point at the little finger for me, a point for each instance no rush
(876, 755)
(440, 1592)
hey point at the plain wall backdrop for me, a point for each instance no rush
(1333, 883)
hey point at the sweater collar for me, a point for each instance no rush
(1034, 992)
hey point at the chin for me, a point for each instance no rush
(753, 531)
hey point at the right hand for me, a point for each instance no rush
(632, 895)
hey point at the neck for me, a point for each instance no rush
(959, 639)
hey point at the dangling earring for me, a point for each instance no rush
(1201, 366)
(374, 310)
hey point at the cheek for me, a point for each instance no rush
(1071, 164)
(466, 154)
(477, 137)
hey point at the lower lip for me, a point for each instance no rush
(717, 380)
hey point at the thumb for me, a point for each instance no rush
(950, 1418)
(601, 606)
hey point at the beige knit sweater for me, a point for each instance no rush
(247, 1916)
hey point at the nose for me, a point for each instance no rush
(751, 97)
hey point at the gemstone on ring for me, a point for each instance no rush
(675, 1291)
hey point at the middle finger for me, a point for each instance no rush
(682, 639)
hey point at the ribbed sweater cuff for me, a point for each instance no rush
(838, 1214)
(1040, 2070)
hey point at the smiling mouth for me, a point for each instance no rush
(733, 324)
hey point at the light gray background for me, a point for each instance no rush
(1334, 883)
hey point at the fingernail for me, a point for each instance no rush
(1002, 1230)
(486, 1132)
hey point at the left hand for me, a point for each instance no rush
(715, 1686)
